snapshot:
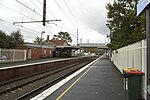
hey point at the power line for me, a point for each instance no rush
(71, 12)
(24, 28)
(17, 28)
(35, 5)
(54, 17)
(33, 31)
(40, 2)
(17, 11)
(28, 8)
(47, 10)
(64, 13)
(5, 26)
(51, 14)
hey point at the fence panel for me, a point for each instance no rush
(12, 55)
(133, 56)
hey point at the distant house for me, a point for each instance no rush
(63, 49)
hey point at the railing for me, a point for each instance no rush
(133, 56)
(12, 55)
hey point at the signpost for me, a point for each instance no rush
(145, 5)
(141, 6)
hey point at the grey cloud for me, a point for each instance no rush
(93, 14)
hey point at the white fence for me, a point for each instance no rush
(133, 56)
(12, 55)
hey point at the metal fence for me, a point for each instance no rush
(12, 55)
(133, 56)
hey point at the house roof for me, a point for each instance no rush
(38, 46)
(59, 42)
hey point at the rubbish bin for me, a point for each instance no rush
(133, 81)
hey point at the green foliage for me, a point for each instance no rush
(16, 39)
(125, 27)
(63, 36)
(38, 40)
(4, 40)
(11, 41)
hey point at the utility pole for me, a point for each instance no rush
(141, 7)
(41, 43)
(148, 50)
(44, 12)
(43, 20)
(81, 40)
(77, 37)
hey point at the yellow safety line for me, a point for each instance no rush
(60, 96)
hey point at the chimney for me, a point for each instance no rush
(47, 37)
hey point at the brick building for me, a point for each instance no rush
(35, 51)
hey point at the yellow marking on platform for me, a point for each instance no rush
(58, 98)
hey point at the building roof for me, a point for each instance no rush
(38, 46)
(96, 45)
(59, 42)
(67, 47)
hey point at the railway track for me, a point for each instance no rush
(28, 87)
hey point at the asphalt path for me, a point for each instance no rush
(100, 81)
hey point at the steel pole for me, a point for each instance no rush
(44, 12)
(148, 49)
(41, 43)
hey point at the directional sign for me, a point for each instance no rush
(141, 6)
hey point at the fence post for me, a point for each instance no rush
(127, 56)
(0, 54)
(143, 56)
(25, 55)
(14, 55)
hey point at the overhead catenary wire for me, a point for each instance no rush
(56, 18)
(48, 10)
(71, 12)
(64, 13)
(4, 26)
(30, 30)
(16, 11)
(24, 28)
(35, 5)
(29, 8)
(39, 2)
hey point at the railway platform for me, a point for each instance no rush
(99, 80)
(9, 64)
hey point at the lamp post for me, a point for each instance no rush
(41, 43)
(110, 37)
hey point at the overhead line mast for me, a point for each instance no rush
(44, 12)
(44, 16)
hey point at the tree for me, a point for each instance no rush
(63, 36)
(125, 27)
(38, 40)
(4, 40)
(16, 39)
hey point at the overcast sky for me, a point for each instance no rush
(88, 16)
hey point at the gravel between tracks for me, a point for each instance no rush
(12, 95)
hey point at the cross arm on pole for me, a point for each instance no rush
(14, 23)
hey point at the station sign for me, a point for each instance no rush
(141, 6)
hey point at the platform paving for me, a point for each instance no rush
(100, 81)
